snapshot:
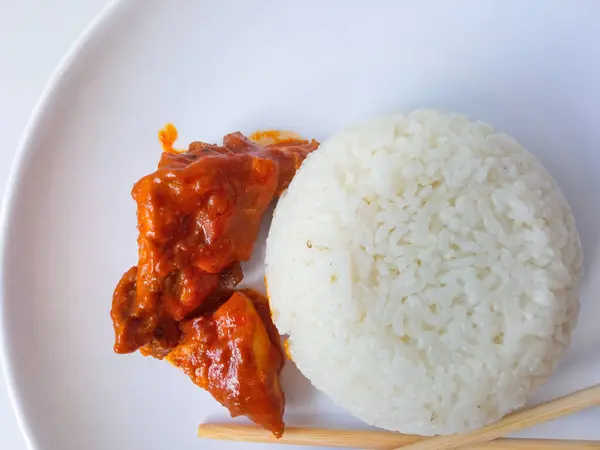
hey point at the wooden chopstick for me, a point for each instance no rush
(368, 439)
(523, 418)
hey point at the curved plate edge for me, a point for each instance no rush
(9, 200)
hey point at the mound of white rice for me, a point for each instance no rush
(426, 270)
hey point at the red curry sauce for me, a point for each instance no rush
(198, 216)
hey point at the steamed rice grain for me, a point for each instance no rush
(427, 270)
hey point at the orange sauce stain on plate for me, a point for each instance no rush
(271, 137)
(167, 137)
(286, 349)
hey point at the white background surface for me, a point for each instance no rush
(34, 35)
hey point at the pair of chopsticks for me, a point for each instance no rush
(482, 438)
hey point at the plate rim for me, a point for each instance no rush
(9, 199)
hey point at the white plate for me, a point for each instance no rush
(530, 68)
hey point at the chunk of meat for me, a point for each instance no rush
(261, 305)
(198, 215)
(288, 155)
(129, 333)
(232, 355)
